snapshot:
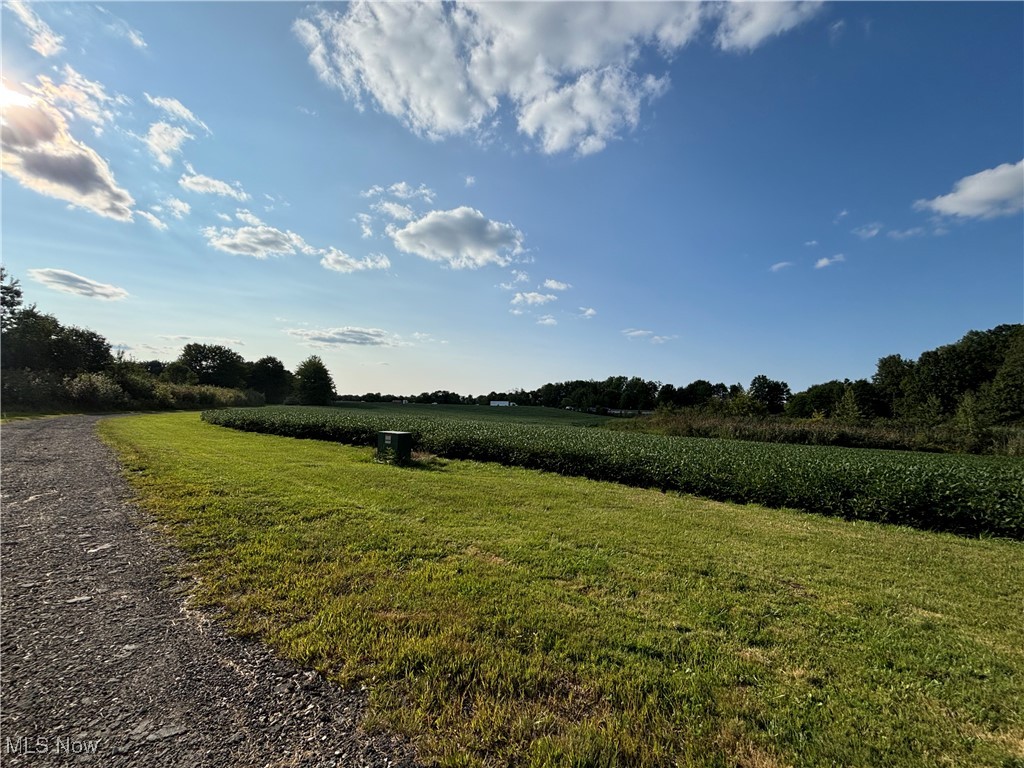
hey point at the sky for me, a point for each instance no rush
(486, 197)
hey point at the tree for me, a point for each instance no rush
(890, 380)
(313, 382)
(10, 299)
(215, 365)
(769, 393)
(847, 411)
(1005, 398)
(269, 376)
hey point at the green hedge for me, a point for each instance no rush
(964, 494)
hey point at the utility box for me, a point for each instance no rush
(394, 447)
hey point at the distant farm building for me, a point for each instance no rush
(502, 403)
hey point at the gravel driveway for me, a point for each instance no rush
(103, 663)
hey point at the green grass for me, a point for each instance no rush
(503, 616)
(521, 414)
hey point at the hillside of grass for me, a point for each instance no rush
(502, 616)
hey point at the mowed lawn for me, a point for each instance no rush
(501, 616)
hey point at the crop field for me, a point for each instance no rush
(502, 616)
(520, 414)
(965, 494)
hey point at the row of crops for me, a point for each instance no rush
(964, 494)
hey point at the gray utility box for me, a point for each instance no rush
(394, 447)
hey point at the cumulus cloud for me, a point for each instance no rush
(463, 238)
(157, 223)
(40, 152)
(394, 210)
(188, 339)
(175, 109)
(987, 194)
(346, 336)
(781, 265)
(69, 282)
(824, 261)
(341, 262)
(259, 242)
(248, 217)
(164, 139)
(403, 190)
(204, 185)
(532, 298)
(744, 26)
(547, 320)
(45, 41)
(79, 97)
(556, 285)
(867, 231)
(179, 208)
(587, 312)
(365, 221)
(566, 71)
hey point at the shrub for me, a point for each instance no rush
(97, 391)
(31, 389)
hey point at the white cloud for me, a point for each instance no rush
(841, 215)
(824, 261)
(556, 285)
(779, 266)
(744, 26)
(164, 139)
(993, 192)
(587, 312)
(69, 282)
(867, 231)
(547, 320)
(566, 71)
(40, 152)
(636, 333)
(903, 234)
(223, 217)
(259, 241)
(179, 208)
(341, 262)
(45, 41)
(346, 336)
(463, 237)
(176, 109)
(402, 190)
(394, 210)
(157, 223)
(83, 98)
(197, 182)
(811, 243)
(662, 339)
(247, 217)
(835, 30)
(470, 181)
(533, 299)
(365, 220)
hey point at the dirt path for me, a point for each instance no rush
(101, 662)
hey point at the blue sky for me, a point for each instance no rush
(487, 197)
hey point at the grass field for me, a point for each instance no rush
(502, 616)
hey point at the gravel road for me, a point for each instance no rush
(101, 660)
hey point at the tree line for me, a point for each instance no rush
(46, 364)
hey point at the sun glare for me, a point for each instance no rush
(9, 98)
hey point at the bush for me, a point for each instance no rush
(31, 389)
(195, 396)
(96, 391)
